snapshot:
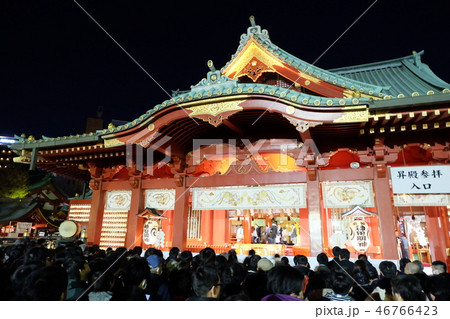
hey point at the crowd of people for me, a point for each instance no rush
(30, 271)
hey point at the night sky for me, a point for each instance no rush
(58, 66)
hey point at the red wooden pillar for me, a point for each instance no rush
(207, 227)
(168, 223)
(135, 224)
(226, 225)
(220, 227)
(437, 230)
(180, 216)
(246, 224)
(385, 215)
(96, 213)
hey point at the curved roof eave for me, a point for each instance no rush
(207, 90)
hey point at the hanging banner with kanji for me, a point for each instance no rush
(433, 179)
(359, 235)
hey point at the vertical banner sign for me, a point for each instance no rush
(150, 232)
(433, 179)
(359, 235)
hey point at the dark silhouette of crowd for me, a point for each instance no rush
(29, 272)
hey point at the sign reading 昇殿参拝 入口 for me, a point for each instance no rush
(433, 179)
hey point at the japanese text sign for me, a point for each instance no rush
(421, 179)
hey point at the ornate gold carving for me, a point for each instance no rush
(252, 52)
(215, 113)
(353, 116)
(254, 69)
(301, 125)
(113, 142)
(215, 109)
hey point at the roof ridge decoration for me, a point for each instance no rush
(423, 70)
(255, 31)
(214, 79)
(257, 54)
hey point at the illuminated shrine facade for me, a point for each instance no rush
(267, 141)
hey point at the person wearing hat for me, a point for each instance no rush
(264, 264)
(157, 286)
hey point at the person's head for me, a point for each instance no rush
(206, 282)
(361, 266)
(406, 288)
(438, 267)
(180, 284)
(74, 264)
(155, 263)
(251, 252)
(150, 251)
(136, 272)
(174, 252)
(102, 281)
(402, 263)
(186, 256)
(21, 273)
(207, 256)
(264, 264)
(221, 263)
(301, 260)
(341, 283)
(36, 254)
(362, 257)
(322, 259)
(234, 273)
(286, 281)
(336, 250)
(253, 262)
(232, 256)
(344, 254)
(439, 287)
(137, 251)
(388, 269)
(412, 268)
(255, 285)
(45, 284)
(419, 263)
(361, 272)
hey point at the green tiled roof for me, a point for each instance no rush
(262, 37)
(403, 77)
(14, 209)
(406, 76)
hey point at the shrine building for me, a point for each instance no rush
(276, 154)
